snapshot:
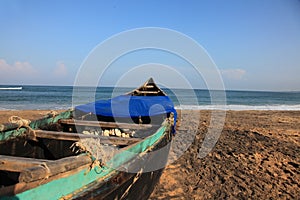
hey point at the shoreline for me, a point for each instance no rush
(282, 107)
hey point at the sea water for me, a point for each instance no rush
(64, 97)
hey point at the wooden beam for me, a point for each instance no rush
(8, 126)
(149, 86)
(32, 169)
(105, 124)
(77, 137)
(53, 168)
(148, 92)
(15, 164)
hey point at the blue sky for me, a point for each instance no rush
(254, 43)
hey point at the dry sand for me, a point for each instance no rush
(256, 156)
(26, 114)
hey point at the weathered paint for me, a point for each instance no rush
(12, 134)
(34, 125)
(66, 186)
(42, 122)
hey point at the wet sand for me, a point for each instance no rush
(256, 156)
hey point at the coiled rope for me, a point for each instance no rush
(20, 121)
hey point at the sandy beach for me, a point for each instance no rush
(256, 156)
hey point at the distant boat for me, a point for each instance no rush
(11, 88)
(36, 160)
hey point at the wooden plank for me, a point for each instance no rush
(105, 124)
(15, 164)
(53, 168)
(77, 137)
(8, 126)
(34, 173)
(147, 92)
(149, 86)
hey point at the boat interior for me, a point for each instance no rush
(48, 152)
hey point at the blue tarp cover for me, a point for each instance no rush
(130, 106)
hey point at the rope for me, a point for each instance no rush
(93, 153)
(47, 174)
(20, 121)
(52, 113)
(80, 147)
(84, 116)
(137, 176)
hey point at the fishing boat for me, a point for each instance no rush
(107, 149)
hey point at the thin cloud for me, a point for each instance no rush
(233, 74)
(22, 68)
(61, 69)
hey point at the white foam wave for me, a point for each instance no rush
(238, 107)
(11, 88)
(5, 109)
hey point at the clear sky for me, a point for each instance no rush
(254, 43)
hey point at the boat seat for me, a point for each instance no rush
(103, 124)
(147, 92)
(78, 136)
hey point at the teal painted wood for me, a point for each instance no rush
(11, 134)
(45, 121)
(69, 185)
(34, 125)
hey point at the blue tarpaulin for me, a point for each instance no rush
(130, 106)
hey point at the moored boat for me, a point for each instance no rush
(101, 150)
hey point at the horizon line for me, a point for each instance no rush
(238, 90)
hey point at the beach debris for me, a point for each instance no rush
(118, 133)
(106, 133)
(110, 132)
(92, 132)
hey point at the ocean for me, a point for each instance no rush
(61, 97)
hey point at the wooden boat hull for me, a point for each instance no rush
(36, 161)
(101, 183)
